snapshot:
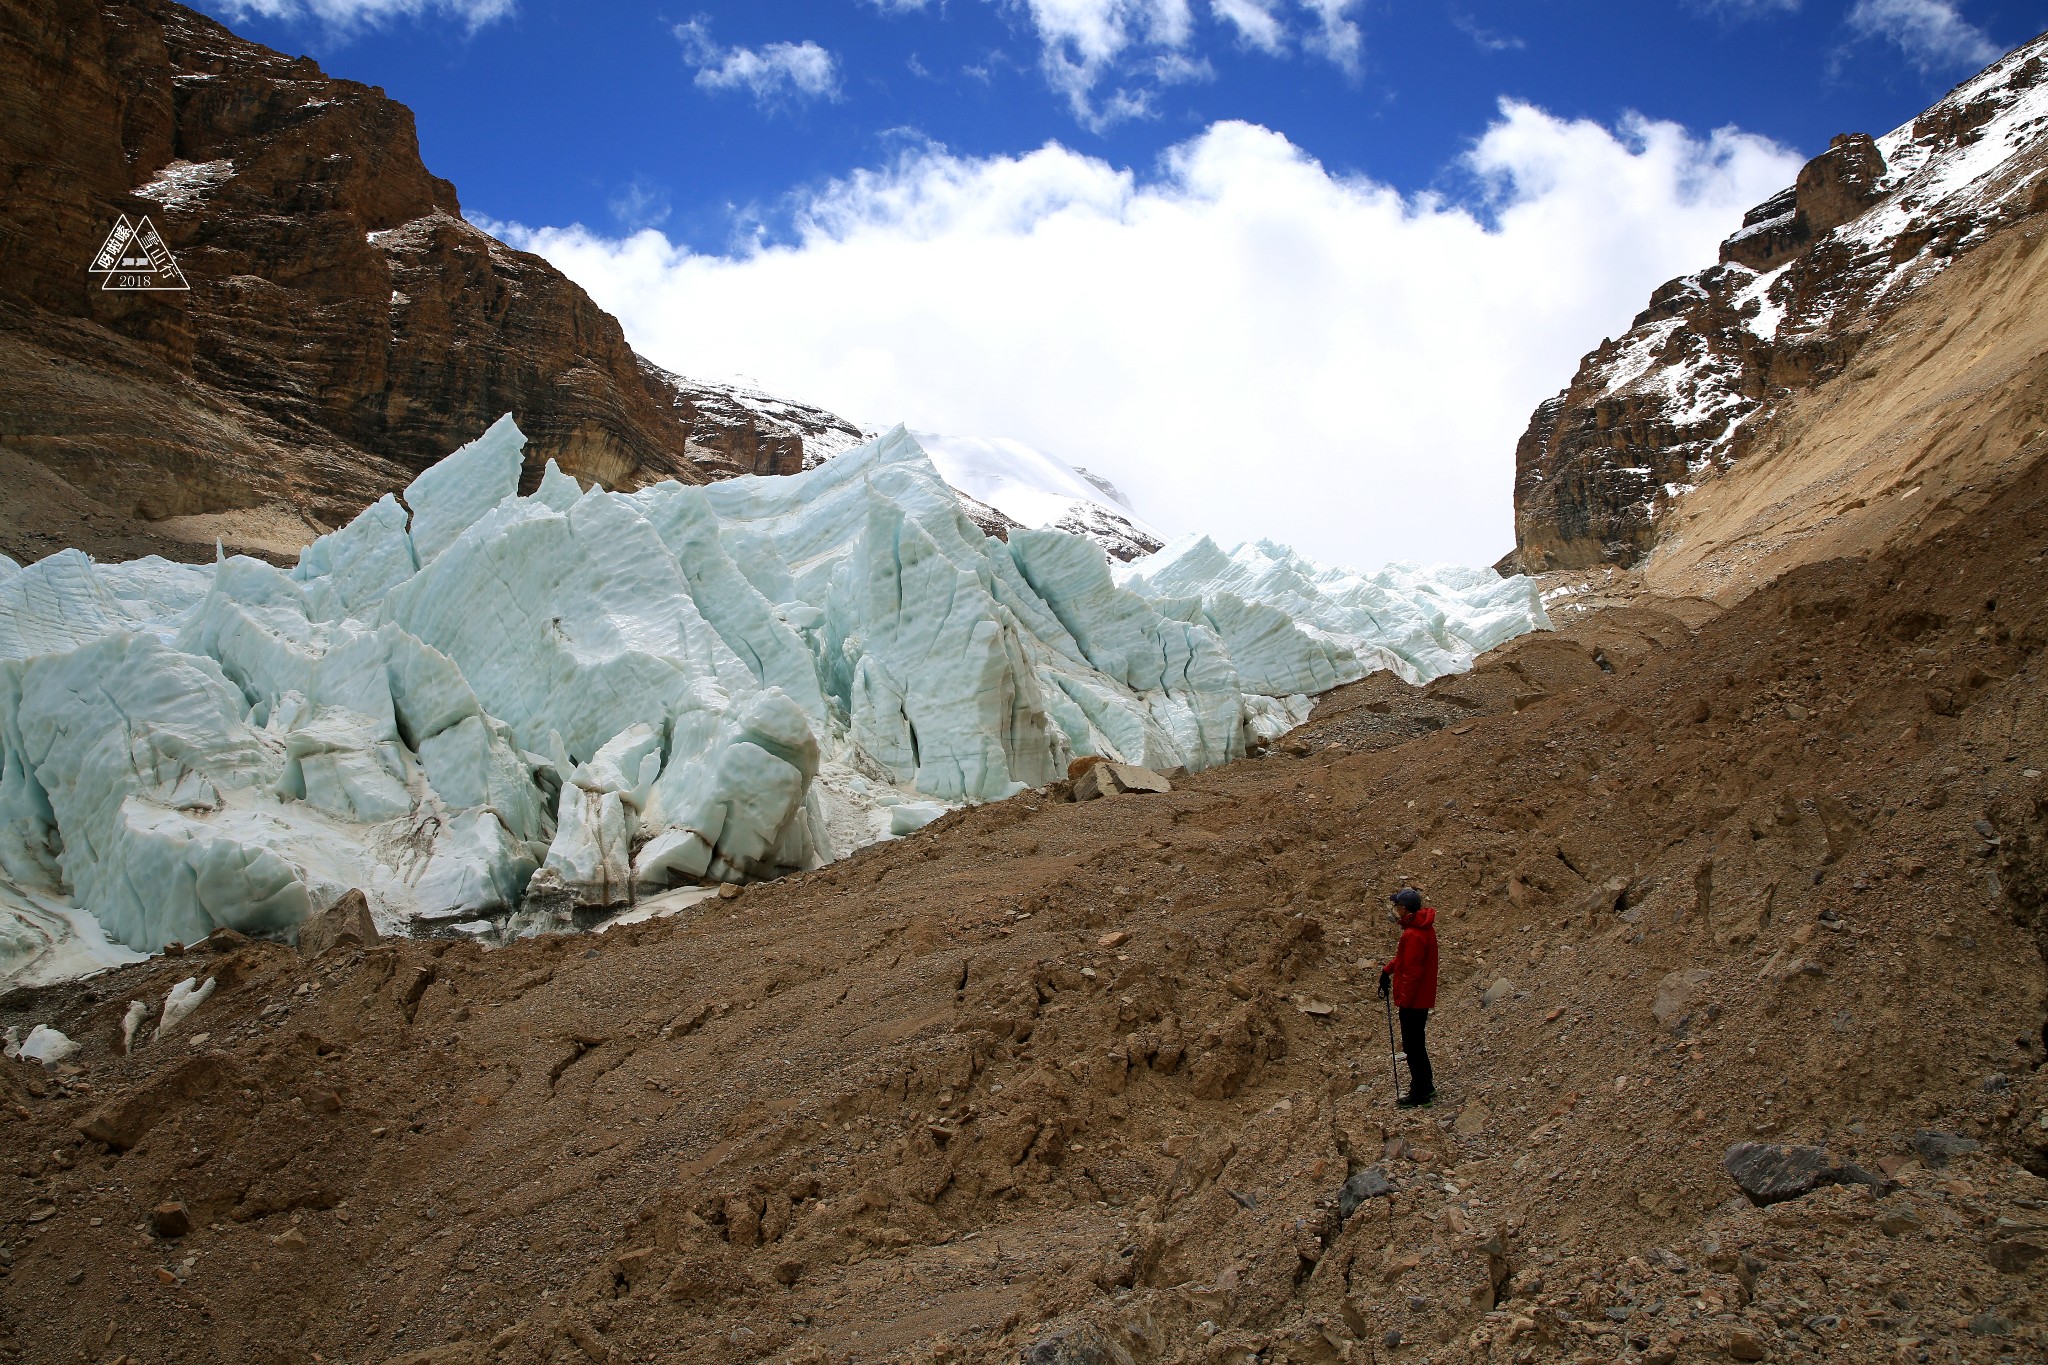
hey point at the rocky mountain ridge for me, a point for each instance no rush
(1811, 275)
(736, 429)
(344, 327)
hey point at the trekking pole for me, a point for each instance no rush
(1393, 1064)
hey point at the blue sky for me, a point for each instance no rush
(591, 112)
(812, 195)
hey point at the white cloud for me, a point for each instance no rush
(1082, 41)
(640, 204)
(1256, 24)
(1177, 68)
(769, 73)
(1484, 38)
(1083, 44)
(1336, 36)
(351, 14)
(1932, 33)
(1245, 343)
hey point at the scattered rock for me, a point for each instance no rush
(1935, 1147)
(170, 1220)
(1081, 1344)
(1744, 1344)
(2016, 1253)
(1114, 940)
(1675, 994)
(347, 922)
(1109, 778)
(1771, 1174)
(728, 891)
(1370, 1183)
(1500, 990)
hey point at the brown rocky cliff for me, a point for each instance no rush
(1703, 371)
(344, 327)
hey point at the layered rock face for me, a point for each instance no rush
(344, 327)
(1799, 289)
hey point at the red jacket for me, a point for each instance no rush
(1414, 962)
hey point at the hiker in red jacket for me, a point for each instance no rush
(1411, 976)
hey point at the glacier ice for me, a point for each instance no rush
(131, 1022)
(43, 1044)
(1295, 626)
(185, 998)
(474, 705)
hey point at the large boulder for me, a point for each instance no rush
(347, 921)
(1370, 1183)
(1108, 778)
(1770, 1174)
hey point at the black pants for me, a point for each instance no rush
(1414, 1024)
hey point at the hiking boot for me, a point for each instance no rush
(1426, 1098)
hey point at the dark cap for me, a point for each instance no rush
(1408, 898)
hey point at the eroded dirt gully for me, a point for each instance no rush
(1058, 1080)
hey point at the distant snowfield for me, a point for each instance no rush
(1036, 490)
(506, 714)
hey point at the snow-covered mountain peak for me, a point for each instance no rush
(1037, 490)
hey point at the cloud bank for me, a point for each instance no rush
(1244, 342)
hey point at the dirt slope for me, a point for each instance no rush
(928, 1104)
(1952, 392)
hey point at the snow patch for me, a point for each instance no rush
(183, 183)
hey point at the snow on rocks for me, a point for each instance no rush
(1814, 272)
(181, 184)
(468, 705)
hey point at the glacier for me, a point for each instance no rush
(1295, 626)
(525, 712)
